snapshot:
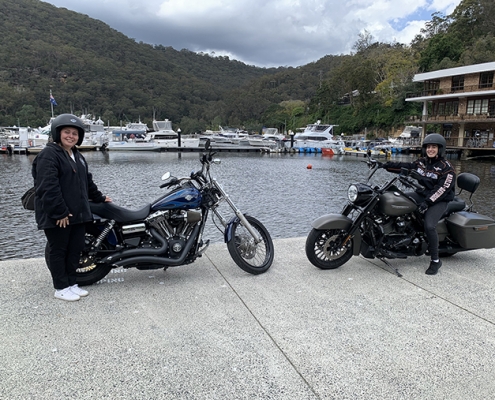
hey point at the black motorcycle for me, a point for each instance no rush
(381, 221)
(169, 231)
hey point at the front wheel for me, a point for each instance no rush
(249, 256)
(325, 248)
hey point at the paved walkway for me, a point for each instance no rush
(211, 331)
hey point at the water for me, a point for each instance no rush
(278, 189)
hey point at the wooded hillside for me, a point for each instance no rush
(92, 68)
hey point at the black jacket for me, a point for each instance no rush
(63, 187)
(437, 176)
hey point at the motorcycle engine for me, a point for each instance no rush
(175, 226)
(398, 237)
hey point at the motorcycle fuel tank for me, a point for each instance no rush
(184, 199)
(395, 204)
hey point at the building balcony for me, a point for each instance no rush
(451, 118)
(460, 91)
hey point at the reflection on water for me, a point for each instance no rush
(279, 190)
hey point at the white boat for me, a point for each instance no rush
(272, 134)
(225, 136)
(95, 134)
(165, 137)
(316, 137)
(132, 145)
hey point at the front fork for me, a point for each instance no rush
(239, 216)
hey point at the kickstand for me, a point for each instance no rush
(395, 270)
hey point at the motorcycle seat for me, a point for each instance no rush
(119, 214)
(455, 205)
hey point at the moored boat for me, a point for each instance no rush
(165, 137)
(317, 136)
(132, 145)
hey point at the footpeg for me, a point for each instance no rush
(201, 251)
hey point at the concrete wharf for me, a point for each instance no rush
(209, 330)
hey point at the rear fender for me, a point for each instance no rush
(338, 221)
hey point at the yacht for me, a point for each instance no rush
(316, 137)
(165, 137)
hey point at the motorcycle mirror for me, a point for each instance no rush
(165, 176)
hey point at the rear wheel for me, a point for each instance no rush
(325, 250)
(90, 271)
(249, 256)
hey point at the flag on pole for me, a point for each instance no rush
(52, 100)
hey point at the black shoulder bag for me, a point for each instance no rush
(27, 199)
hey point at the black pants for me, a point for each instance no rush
(431, 217)
(65, 246)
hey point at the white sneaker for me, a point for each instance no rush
(66, 294)
(77, 290)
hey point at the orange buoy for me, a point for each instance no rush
(309, 166)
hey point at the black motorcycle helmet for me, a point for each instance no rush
(435, 138)
(67, 120)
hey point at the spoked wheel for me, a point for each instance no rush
(325, 250)
(249, 256)
(89, 270)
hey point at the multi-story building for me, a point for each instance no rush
(462, 101)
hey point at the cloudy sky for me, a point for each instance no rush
(264, 33)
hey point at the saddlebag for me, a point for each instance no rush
(472, 230)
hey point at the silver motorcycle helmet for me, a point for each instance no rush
(434, 138)
(67, 120)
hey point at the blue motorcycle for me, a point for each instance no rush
(169, 231)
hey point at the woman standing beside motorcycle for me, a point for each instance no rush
(63, 186)
(437, 176)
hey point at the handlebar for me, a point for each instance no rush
(171, 182)
(200, 176)
(408, 178)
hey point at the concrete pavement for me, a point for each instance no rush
(211, 331)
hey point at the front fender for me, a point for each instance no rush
(338, 221)
(227, 235)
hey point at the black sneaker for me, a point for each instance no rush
(434, 267)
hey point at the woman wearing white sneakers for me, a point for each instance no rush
(63, 189)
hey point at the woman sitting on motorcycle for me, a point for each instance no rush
(438, 178)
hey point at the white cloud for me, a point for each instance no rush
(264, 32)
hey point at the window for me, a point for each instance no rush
(470, 107)
(431, 87)
(448, 108)
(484, 106)
(486, 79)
(477, 107)
(457, 83)
(441, 108)
(455, 107)
(491, 107)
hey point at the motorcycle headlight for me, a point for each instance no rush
(359, 193)
(352, 193)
